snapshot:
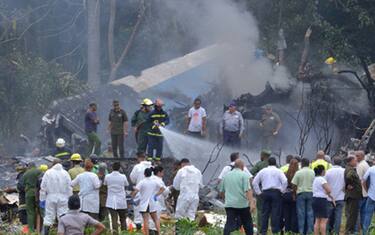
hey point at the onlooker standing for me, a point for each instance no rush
(321, 191)
(353, 194)
(285, 167)
(370, 203)
(263, 163)
(75, 222)
(289, 210)
(230, 167)
(89, 185)
(303, 180)
(232, 126)
(335, 179)
(118, 127)
(196, 120)
(91, 127)
(238, 199)
(103, 191)
(274, 182)
(270, 124)
(320, 160)
(76, 169)
(362, 167)
(116, 197)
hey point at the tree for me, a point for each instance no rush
(93, 43)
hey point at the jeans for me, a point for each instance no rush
(114, 216)
(370, 208)
(118, 145)
(232, 138)
(305, 213)
(94, 143)
(155, 143)
(232, 216)
(351, 211)
(289, 213)
(362, 211)
(335, 215)
(271, 207)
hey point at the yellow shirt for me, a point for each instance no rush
(322, 162)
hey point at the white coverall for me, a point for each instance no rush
(89, 185)
(55, 190)
(136, 175)
(188, 180)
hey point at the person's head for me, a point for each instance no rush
(159, 171)
(141, 156)
(272, 161)
(60, 143)
(159, 104)
(147, 105)
(232, 107)
(116, 105)
(337, 161)
(360, 155)
(94, 158)
(148, 172)
(298, 158)
(102, 169)
(234, 156)
(92, 107)
(116, 166)
(184, 162)
(288, 159)
(239, 164)
(305, 162)
(74, 203)
(319, 170)
(88, 165)
(264, 155)
(351, 161)
(320, 155)
(197, 103)
(268, 109)
(76, 159)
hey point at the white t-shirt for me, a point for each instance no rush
(227, 169)
(318, 190)
(196, 121)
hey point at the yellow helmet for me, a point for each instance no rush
(147, 102)
(76, 157)
(330, 60)
(43, 167)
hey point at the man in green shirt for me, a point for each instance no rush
(270, 125)
(303, 181)
(263, 163)
(118, 127)
(140, 125)
(238, 199)
(31, 178)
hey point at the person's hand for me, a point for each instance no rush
(252, 206)
(42, 204)
(275, 133)
(334, 203)
(135, 129)
(349, 187)
(155, 198)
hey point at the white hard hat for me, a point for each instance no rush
(60, 142)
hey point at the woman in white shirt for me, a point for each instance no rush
(149, 189)
(321, 192)
(116, 196)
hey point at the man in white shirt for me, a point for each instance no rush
(116, 196)
(89, 185)
(227, 169)
(136, 175)
(196, 120)
(335, 178)
(362, 167)
(188, 180)
(274, 183)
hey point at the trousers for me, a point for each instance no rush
(352, 212)
(232, 138)
(142, 140)
(187, 206)
(115, 214)
(118, 145)
(233, 214)
(56, 205)
(155, 143)
(94, 143)
(30, 210)
(305, 213)
(289, 213)
(271, 208)
(335, 215)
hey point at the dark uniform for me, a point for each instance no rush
(21, 198)
(353, 196)
(117, 120)
(155, 137)
(31, 178)
(139, 121)
(269, 124)
(63, 153)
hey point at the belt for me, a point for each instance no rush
(271, 190)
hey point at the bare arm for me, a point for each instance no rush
(249, 195)
(99, 228)
(161, 190)
(134, 192)
(328, 191)
(204, 124)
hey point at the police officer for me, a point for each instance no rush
(270, 125)
(118, 127)
(158, 117)
(140, 125)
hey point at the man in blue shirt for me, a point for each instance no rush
(368, 183)
(91, 126)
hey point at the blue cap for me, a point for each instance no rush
(232, 104)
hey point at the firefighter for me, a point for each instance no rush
(76, 169)
(62, 152)
(140, 125)
(158, 117)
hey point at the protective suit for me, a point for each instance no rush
(136, 175)
(55, 190)
(188, 181)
